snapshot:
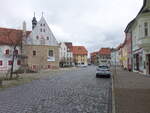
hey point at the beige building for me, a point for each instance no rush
(80, 55)
(141, 40)
(42, 57)
(41, 47)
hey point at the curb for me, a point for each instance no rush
(113, 96)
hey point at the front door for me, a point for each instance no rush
(137, 62)
(149, 63)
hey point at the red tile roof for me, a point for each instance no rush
(10, 36)
(79, 50)
(105, 51)
(94, 53)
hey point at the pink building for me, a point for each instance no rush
(128, 45)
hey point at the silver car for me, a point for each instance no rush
(103, 71)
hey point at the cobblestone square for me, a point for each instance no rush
(75, 91)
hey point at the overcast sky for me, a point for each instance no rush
(92, 23)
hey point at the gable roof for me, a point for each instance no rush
(105, 51)
(79, 50)
(11, 36)
(42, 25)
(129, 26)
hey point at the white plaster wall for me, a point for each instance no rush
(63, 50)
(6, 58)
(42, 35)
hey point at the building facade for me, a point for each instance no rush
(63, 54)
(69, 53)
(95, 58)
(80, 55)
(41, 47)
(128, 45)
(10, 46)
(141, 40)
(105, 56)
(114, 57)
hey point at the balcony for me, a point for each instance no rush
(144, 43)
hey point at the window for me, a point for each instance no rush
(34, 53)
(41, 24)
(49, 66)
(7, 51)
(50, 53)
(37, 37)
(34, 66)
(10, 62)
(1, 62)
(145, 29)
(47, 38)
(41, 29)
(16, 52)
(18, 62)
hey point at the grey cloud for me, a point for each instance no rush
(92, 23)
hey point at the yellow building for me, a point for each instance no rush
(80, 55)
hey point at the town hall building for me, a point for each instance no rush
(41, 47)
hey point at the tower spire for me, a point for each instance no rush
(42, 13)
(34, 22)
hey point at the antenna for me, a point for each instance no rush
(34, 14)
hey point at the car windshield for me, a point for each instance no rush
(103, 67)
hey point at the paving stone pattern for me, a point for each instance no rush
(75, 91)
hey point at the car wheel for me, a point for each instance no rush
(96, 76)
(108, 76)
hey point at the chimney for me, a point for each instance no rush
(24, 28)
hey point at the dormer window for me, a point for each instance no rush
(37, 37)
(7, 52)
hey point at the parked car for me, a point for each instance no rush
(83, 65)
(103, 71)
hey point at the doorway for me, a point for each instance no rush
(148, 58)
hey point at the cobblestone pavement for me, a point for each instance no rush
(75, 91)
